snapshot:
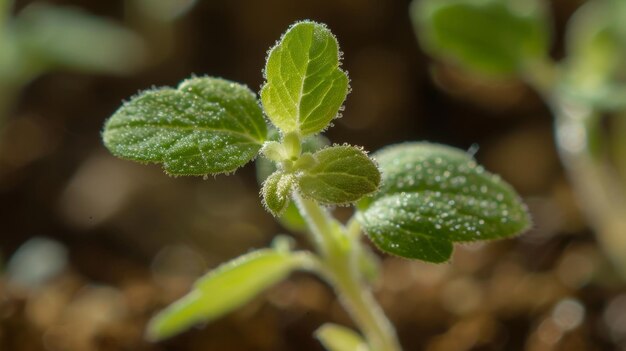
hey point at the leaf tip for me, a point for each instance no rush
(153, 331)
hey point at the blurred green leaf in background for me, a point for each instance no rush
(492, 37)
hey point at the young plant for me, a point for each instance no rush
(503, 39)
(413, 200)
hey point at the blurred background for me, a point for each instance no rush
(91, 246)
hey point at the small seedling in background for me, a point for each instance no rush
(498, 39)
(413, 200)
(41, 38)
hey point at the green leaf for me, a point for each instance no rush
(206, 126)
(304, 86)
(55, 36)
(342, 174)
(277, 192)
(493, 37)
(338, 338)
(432, 196)
(221, 291)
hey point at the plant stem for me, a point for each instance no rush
(338, 251)
(600, 193)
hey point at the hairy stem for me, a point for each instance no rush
(338, 252)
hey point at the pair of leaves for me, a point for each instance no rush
(290, 217)
(432, 196)
(493, 37)
(223, 290)
(338, 175)
(212, 126)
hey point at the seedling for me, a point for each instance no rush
(497, 39)
(413, 200)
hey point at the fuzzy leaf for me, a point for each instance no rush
(206, 126)
(277, 192)
(222, 290)
(496, 37)
(55, 36)
(304, 86)
(338, 338)
(432, 196)
(342, 174)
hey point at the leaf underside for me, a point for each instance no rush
(206, 126)
(304, 86)
(432, 196)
